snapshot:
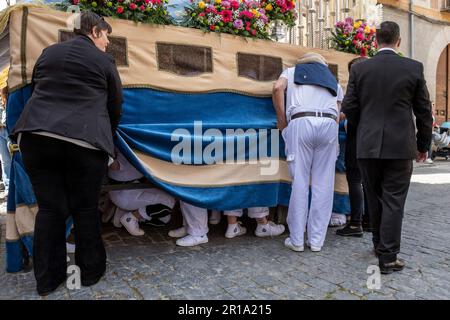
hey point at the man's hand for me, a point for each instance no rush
(422, 156)
(281, 125)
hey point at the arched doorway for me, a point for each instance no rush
(442, 87)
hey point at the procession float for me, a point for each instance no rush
(197, 98)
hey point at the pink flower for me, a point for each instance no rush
(119, 10)
(290, 5)
(349, 21)
(359, 36)
(147, 1)
(133, 6)
(238, 24)
(142, 8)
(226, 4)
(234, 4)
(253, 32)
(227, 16)
(75, 2)
(246, 14)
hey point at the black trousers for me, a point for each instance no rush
(66, 180)
(356, 194)
(386, 183)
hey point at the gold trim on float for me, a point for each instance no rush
(210, 176)
(233, 174)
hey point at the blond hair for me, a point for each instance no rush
(311, 57)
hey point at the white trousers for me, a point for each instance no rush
(311, 151)
(255, 212)
(138, 199)
(195, 219)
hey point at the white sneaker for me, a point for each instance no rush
(214, 218)
(288, 243)
(190, 241)
(70, 247)
(131, 223)
(428, 161)
(178, 233)
(118, 213)
(269, 230)
(235, 230)
(338, 220)
(313, 248)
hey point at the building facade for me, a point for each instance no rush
(425, 32)
(425, 28)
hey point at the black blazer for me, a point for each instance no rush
(382, 95)
(77, 93)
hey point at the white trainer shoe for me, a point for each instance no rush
(131, 223)
(288, 244)
(178, 233)
(190, 241)
(337, 220)
(269, 230)
(214, 218)
(235, 230)
(313, 248)
(429, 161)
(118, 213)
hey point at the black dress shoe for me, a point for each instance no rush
(45, 292)
(91, 282)
(388, 268)
(350, 230)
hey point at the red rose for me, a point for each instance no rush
(253, 32)
(147, 1)
(142, 8)
(212, 27)
(119, 10)
(133, 6)
(75, 2)
(363, 52)
(234, 4)
(201, 14)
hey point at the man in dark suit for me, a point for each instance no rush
(382, 95)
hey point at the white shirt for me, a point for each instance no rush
(301, 98)
(386, 49)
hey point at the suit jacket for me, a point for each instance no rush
(382, 95)
(76, 93)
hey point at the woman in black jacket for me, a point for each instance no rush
(65, 135)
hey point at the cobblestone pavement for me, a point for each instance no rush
(152, 267)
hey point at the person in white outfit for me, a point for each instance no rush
(265, 228)
(136, 204)
(310, 130)
(195, 226)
